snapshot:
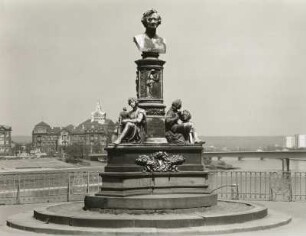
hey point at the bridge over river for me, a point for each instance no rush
(284, 156)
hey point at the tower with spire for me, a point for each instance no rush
(98, 115)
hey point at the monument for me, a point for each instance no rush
(154, 181)
(175, 163)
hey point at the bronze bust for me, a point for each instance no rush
(150, 41)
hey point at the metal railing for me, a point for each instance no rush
(47, 187)
(265, 186)
(61, 186)
(234, 190)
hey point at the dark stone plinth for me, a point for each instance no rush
(123, 177)
(149, 86)
(155, 127)
(122, 157)
(137, 183)
(149, 82)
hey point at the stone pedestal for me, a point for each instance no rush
(124, 178)
(149, 86)
(122, 158)
(139, 183)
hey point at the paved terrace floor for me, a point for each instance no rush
(296, 209)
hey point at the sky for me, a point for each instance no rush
(237, 65)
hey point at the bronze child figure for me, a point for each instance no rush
(179, 128)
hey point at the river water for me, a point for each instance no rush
(255, 164)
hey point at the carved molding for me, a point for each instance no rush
(160, 162)
(155, 111)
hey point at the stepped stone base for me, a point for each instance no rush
(151, 203)
(132, 202)
(73, 215)
(226, 217)
(136, 183)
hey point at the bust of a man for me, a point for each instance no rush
(150, 41)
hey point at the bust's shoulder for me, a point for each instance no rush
(140, 36)
(146, 44)
(139, 39)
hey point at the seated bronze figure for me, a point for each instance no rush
(132, 124)
(179, 128)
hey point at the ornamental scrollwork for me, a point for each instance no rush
(160, 162)
(155, 111)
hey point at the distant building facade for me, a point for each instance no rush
(301, 141)
(290, 142)
(45, 137)
(5, 140)
(95, 133)
(296, 142)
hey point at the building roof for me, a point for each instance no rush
(68, 128)
(97, 124)
(42, 123)
(56, 129)
(42, 127)
(98, 114)
(6, 127)
(89, 125)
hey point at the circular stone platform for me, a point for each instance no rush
(150, 203)
(226, 217)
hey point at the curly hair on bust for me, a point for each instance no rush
(147, 14)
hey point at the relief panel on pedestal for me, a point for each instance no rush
(149, 84)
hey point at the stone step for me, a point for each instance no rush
(25, 221)
(135, 183)
(151, 201)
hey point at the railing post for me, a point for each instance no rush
(290, 192)
(234, 192)
(271, 195)
(287, 164)
(18, 191)
(88, 182)
(270, 188)
(289, 180)
(68, 188)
